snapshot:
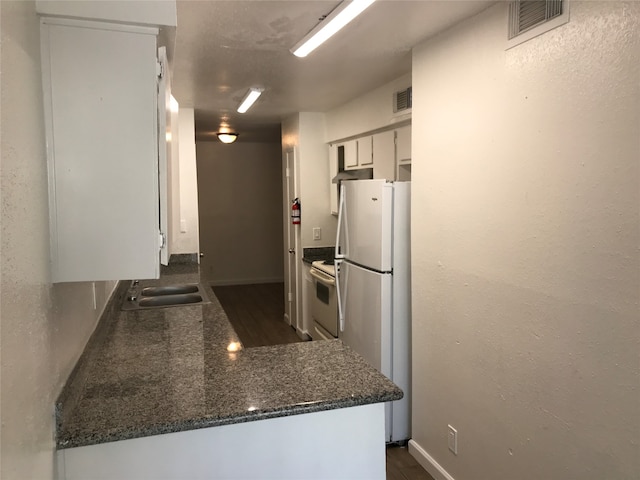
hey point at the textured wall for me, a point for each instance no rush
(44, 327)
(367, 112)
(314, 182)
(526, 272)
(240, 210)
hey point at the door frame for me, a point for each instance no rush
(292, 243)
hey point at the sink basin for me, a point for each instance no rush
(163, 300)
(168, 290)
(162, 296)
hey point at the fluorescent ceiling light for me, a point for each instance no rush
(248, 100)
(227, 137)
(342, 15)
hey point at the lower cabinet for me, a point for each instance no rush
(341, 443)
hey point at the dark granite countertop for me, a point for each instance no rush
(155, 371)
(311, 254)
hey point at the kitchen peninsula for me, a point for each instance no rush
(171, 393)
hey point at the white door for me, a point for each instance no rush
(164, 151)
(366, 222)
(292, 268)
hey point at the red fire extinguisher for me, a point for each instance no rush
(295, 212)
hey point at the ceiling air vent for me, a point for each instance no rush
(527, 14)
(402, 101)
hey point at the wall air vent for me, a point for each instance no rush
(530, 18)
(402, 101)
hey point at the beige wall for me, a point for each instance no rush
(44, 327)
(526, 272)
(369, 111)
(240, 210)
(306, 132)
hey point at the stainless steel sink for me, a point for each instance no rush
(163, 296)
(166, 300)
(168, 290)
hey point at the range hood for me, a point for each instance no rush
(359, 174)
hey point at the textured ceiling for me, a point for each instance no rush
(223, 47)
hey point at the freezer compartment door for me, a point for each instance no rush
(366, 223)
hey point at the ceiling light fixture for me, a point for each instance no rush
(249, 99)
(227, 137)
(338, 18)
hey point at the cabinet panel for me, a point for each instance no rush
(403, 144)
(365, 152)
(101, 118)
(350, 152)
(384, 155)
(333, 187)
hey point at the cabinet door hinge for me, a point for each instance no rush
(287, 172)
(162, 240)
(159, 69)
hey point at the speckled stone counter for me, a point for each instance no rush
(155, 371)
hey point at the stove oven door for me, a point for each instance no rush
(324, 305)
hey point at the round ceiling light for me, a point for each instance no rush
(227, 137)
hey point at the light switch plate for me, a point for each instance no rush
(453, 439)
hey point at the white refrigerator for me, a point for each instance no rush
(374, 285)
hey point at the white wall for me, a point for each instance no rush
(186, 206)
(367, 112)
(526, 278)
(44, 327)
(313, 155)
(240, 205)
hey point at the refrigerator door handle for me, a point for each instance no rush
(338, 254)
(338, 293)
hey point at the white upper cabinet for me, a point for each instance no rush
(333, 187)
(384, 155)
(100, 95)
(349, 152)
(365, 151)
(403, 144)
(403, 153)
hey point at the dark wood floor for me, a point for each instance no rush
(257, 315)
(402, 466)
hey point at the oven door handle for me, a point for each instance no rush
(322, 277)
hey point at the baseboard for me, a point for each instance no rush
(427, 461)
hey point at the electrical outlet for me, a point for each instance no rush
(453, 440)
(317, 233)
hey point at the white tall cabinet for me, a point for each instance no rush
(100, 99)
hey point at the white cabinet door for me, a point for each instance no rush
(100, 97)
(384, 155)
(164, 151)
(350, 152)
(403, 144)
(334, 188)
(365, 152)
